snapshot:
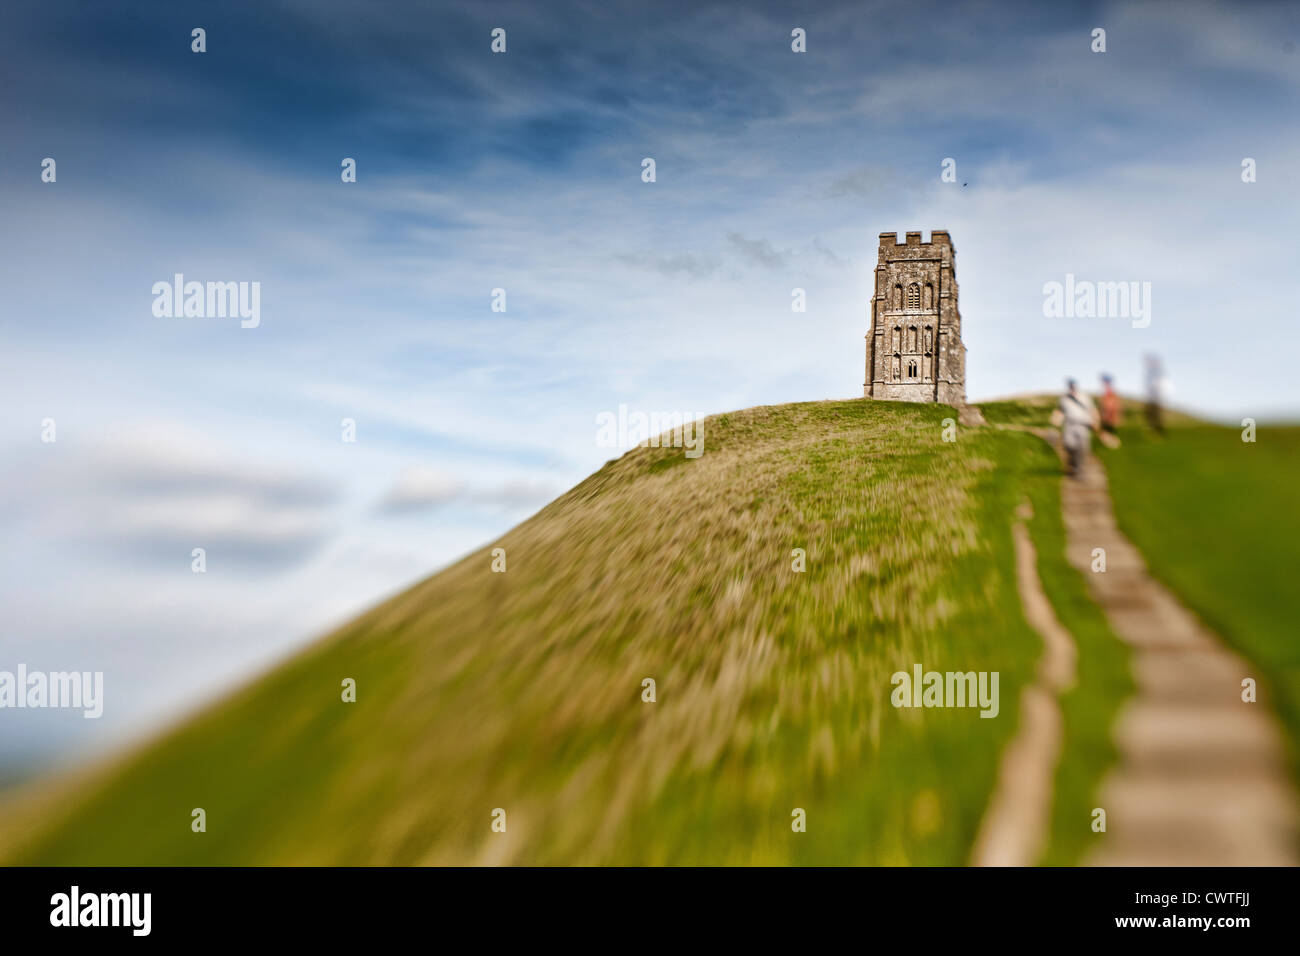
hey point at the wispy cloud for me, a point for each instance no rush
(758, 252)
(418, 488)
(421, 488)
(157, 490)
(688, 264)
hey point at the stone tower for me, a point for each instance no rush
(914, 347)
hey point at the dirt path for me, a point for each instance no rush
(1015, 827)
(1201, 776)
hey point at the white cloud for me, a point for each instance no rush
(157, 490)
(418, 488)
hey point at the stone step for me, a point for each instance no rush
(1196, 738)
(1147, 628)
(1202, 676)
(1226, 822)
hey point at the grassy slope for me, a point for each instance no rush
(1103, 678)
(1216, 520)
(522, 690)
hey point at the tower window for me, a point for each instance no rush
(914, 296)
(911, 369)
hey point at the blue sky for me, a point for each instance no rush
(521, 171)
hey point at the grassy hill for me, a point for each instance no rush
(1216, 520)
(523, 690)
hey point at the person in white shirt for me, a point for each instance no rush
(1079, 421)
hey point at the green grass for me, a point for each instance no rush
(1217, 521)
(1103, 681)
(1029, 411)
(522, 690)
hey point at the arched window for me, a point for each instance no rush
(914, 296)
(911, 369)
(898, 296)
(929, 295)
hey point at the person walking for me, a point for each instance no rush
(1112, 413)
(1078, 422)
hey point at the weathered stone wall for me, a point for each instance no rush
(914, 347)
